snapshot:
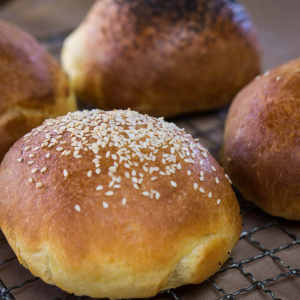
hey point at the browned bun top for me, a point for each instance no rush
(116, 204)
(32, 86)
(261, 149)
(162, 57)
(149, 20)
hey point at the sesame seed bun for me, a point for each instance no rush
(32, 86)
(163, 58)
(261, 142)
(116, 204)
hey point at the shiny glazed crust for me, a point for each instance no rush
(163, 58)
(261, 150)
(116, 204)
(32, 86)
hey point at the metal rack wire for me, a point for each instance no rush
(210, 136)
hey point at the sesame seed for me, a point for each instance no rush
(278, 78)
(34, 170)
(105, 205)
(112, 169)
(31, 162)
(109, 193)
(228, 178)
(48, 155)
(136, 186)
(213, 168)
(20, 160)
(219, 201)
(202, 190)
(99, 188)
(59, 149)
(157, 196)
(31, 155)
(77, 208)
(195, 186)
(98, 171)
(201, 178)
(173, 183)
(27, 148)
(66, 173)
(189, 161)
(217, 180)
(89, 173)
(209, 194)
(145, 193)
(30, 180)
(44, 170)
(39, 185)
(124, 201)
(153, 178)
(189, 172)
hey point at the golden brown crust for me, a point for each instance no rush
(104, 247)
(162, 57)
(261, 142)
(32, 86)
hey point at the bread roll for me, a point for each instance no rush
(32, 86)
(163, 58)
(116, 204)
(261, 150)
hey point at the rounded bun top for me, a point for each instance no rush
(162, 57)
(261, 141)
(117, 195)
(32, 86)
(149, 19)
(28, 74)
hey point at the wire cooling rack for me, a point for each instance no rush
(209, 129)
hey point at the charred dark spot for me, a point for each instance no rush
(160, 14)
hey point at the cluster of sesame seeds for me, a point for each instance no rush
(266, 74)
(126, 139)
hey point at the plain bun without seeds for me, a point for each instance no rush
(262, 141)
(162, 57)
(116, 204)
(33, 86)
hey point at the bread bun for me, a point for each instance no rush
(163, 58)
(116, 204)
(262, 141)
(32, 86)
